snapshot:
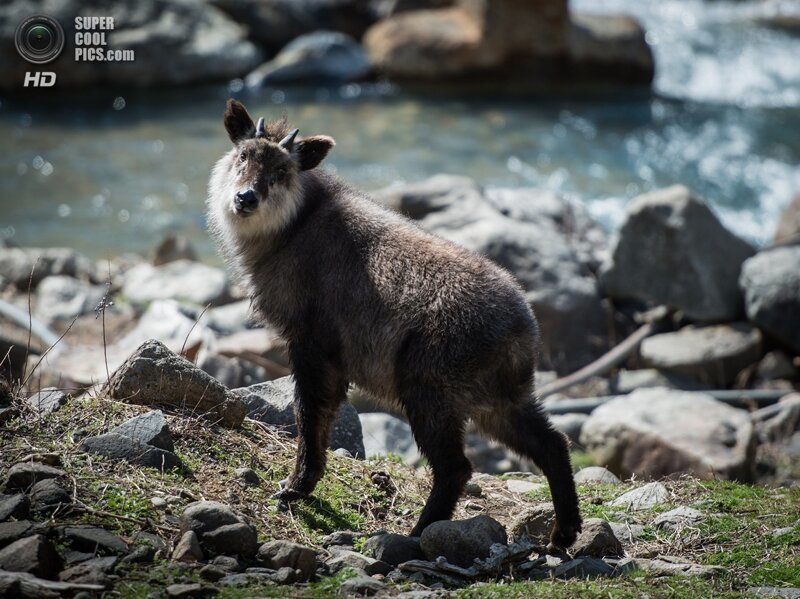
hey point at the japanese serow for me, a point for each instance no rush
(364, 296)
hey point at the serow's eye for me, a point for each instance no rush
(243, 157)
(276, 176)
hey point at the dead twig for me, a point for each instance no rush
(100, 310)
(194, 324)
(47, 351)
(103, 514)
(608, 360)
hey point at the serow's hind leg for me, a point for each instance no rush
(440, 436)
(525, 429)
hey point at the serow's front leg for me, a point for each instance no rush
(319, 391)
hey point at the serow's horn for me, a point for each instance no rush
(260, 132)
(288, 141)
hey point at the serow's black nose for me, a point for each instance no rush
(245, 201)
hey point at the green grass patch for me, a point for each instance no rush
(342, 501)
(581, 459)
(329, 587)
(122, 501)
(740, 535)
(619, 588)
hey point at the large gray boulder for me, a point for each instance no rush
(315, 58)
(93, 539)
(668, 565)
(173, 247)
(22, 476)
(174, 42)
(397, 6)
(534, 524)
(672, 250)
(273, 402)
(680, 517)
(47, 400)
(232, 372)
(385, 434)
(711, 354)
(658, 432)
(595, 474)
(183, 280)
(625, 381)
(63, 297)
(587, 238)
(285, 554)
(132, 450)
(343, 558)
(274, 23)
(361, 585)
(15, 530)
(569, 424)
(220, 530)
(393, 548)
(508, 45)
(173, 324)
(609, 48)
(36, 555)
(150, 428)
(21, 266)
(471, 38)
(596, 539)
(231, 318)
(462, 541)
(188, 548)
(550, 245)
(153, 375)
(771, 284)
(642, 498)
(583, 567)
(788, 229)
(48, 496)
(167, 321)
(14, 506)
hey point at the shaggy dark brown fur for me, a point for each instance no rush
(364, 296)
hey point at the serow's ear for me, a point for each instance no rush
(312, 150)
(238, 123)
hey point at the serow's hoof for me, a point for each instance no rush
(561, 539)
(286, 496)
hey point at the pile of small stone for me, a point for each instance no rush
(222, 546)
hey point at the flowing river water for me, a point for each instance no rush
(112, 173)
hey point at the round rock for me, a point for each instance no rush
(462, 541)
(596, 474)
(281, 554)
(771, 284)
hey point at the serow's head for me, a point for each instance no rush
(266, 161)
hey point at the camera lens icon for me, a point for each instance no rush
(39, 39)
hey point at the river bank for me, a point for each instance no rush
(719, 315)
(150, 420)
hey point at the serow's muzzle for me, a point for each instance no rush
(245, 202)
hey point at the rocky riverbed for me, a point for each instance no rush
(149, 419)
(465, 43)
